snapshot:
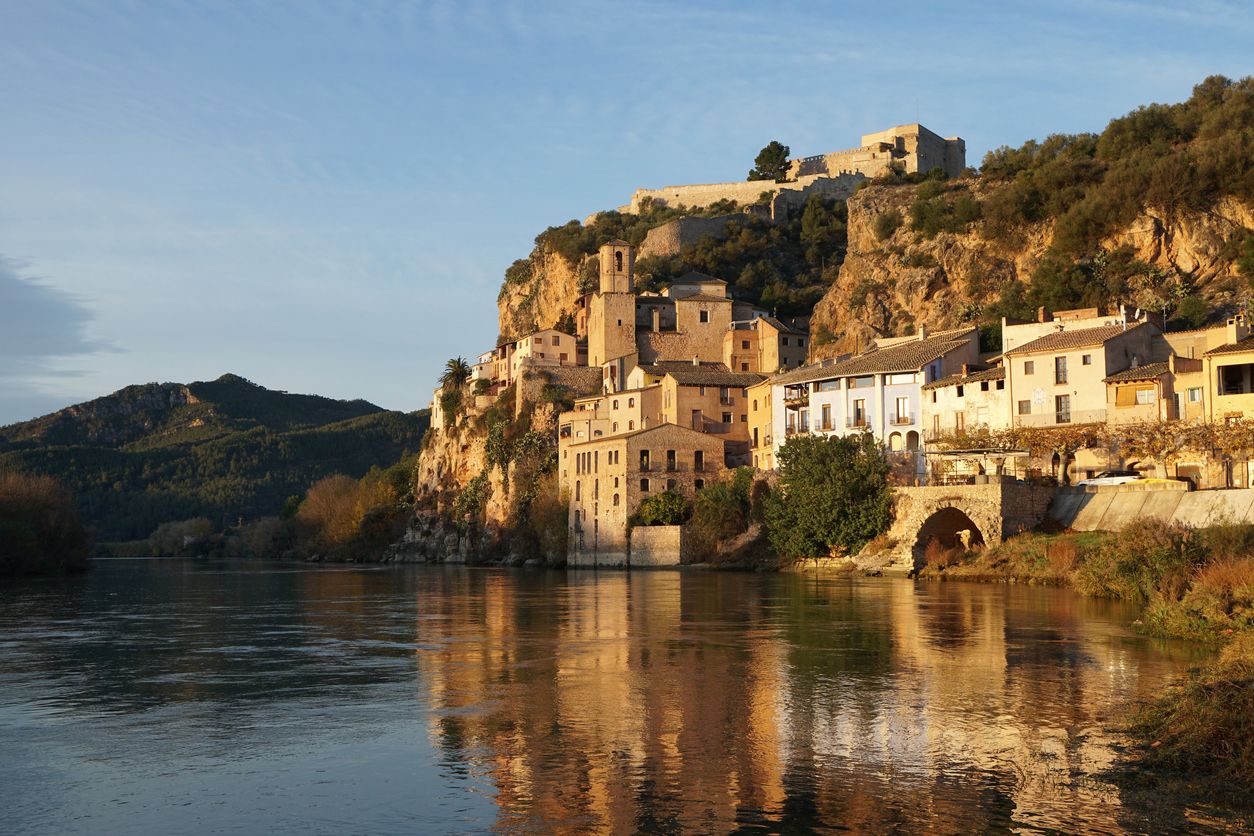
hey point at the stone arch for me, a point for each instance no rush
(952, 527)
(894, 442)
(912, 440)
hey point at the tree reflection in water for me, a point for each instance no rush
(588, 701)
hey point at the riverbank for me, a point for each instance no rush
(1196, 584)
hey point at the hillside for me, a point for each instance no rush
(222, 449)
(1157, 211)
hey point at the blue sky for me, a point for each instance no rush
(322, 196)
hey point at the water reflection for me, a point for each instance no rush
(457, 699)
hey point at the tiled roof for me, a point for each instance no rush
(779, 326)
(1080, 338)
(694, 376)
(998, 373)
(693, 277)
(661, 367)
(902, 357)
(702, 297)
(804, 374)
(1246, 344)
(1149, 371)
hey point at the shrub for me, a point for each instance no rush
(885, 224)
(40, 532)
(1145, 560)
(833, 495)
(665, 508)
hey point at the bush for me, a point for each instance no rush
(833, 495)
(885, 224)
(665, 508)
(40, 531)
(1144, 561)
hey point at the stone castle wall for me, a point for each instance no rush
(787, 196)
(674, 237)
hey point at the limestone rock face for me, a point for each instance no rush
(894, 286)
(542, 298)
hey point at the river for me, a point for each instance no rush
(173, 696)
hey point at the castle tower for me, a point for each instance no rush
(618, 267)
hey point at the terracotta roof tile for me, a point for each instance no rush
(998, 373)
(1079, 338)
(1149, 371)
(1246, 344)
(902, 357)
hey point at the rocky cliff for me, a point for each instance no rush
(538, 295)
(894, 283)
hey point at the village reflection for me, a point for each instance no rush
(655, 701)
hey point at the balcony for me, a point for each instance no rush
(856, 423)
(1062, 418)
(903, 420)
(796, 395)
(792, 430)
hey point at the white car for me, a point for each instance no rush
(1111, 477)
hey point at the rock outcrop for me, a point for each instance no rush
(542, 298)
(895, 285)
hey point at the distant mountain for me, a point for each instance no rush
(222, 449)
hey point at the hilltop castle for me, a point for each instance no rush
(909, 148)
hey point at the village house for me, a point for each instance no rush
(1151, 391)
(1229, 371)
(764, 344)
(549, 347)
(972, 401)
(606, 479)
(1060, 378)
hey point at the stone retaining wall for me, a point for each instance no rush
(1083, 510)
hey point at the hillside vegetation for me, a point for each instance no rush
(222, 450)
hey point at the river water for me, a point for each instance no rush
(187, 697)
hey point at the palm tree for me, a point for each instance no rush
(456, 373)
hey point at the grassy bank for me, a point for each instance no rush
(1194, 584)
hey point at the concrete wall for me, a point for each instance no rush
(657, 545)
(1112, 510)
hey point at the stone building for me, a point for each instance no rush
(764, 344)
(607, 478)
(910, 148)
(971, 401)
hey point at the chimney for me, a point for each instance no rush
(1238, 328)
(1042, 315)
(966, 369)
(922, 332)
(696, 361)
(1171, 363)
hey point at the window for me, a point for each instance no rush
(744, 344)
(933, 396)
(960, 421)
(755, 437)
(564, 357)
(859, 413)
(744, 393)
(701, 390)
(705, 316)
(801, 342)
(631, 425)
(556, 341)
(865, 382)
(827, 385)
(616, 404)
(1029, 367)
(744, 367)
(671, 465)
(827, 416)
(614, 427)
(644, 486)
(577, 491)
(961, 389)
(727, 417)
(1060, 370)
(1146, 396)
(670, 484)
(618, 261)
(983, 385)
(631, 402)
(1001, 384)
(1086, 360)
(614, 501)
(699, 484)
(784, 340)
(1195, 394)
(1025, 407)
(755, 404)
(903, 411)
(1062, 409)
(644, 461)
(744, 419)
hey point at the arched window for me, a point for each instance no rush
(618, 261)
(631, 425)
(615, 500)
(912, 440)
(631, 402)
(894, 442)
(614, 427)
(616, 404)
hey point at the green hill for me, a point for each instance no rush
(223, 449)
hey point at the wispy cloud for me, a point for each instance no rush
(40, 326)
